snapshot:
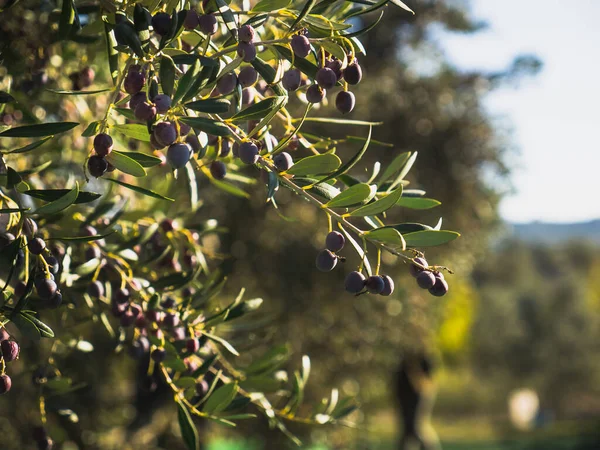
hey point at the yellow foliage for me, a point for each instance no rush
(593, 286)
(458, 314)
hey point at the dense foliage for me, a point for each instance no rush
(217, 85)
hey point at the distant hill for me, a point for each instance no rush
(546, 232)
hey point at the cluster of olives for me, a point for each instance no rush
(82, 79)
(327, 77)
(433, 281)
(327, 258)
(97, 164)
(45, 263)
(10, 352)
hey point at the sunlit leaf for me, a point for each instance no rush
(378, 206)
(316, 165)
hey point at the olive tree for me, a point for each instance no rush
(118, 122)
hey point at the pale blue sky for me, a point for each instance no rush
(556, 115)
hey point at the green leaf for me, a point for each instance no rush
(378, 206)
(323, 23)
(323, 190)
(230, 188)
(207, 125)
(223, 342)
(26, 327)
(50, 195)
(39, 130)
(141, 190)
(270, 361)
(185, 82)
(304, 65)
(418, 202)
(187, 427)
(125, 34)
(113, 55)
(5, 97)
(67, 19)
(167, 74)
(143, 159)
(315, 165)
(389, 236)
(410, 227)
(221, 398)
(268, 73)
(133, 130)
(352, 162)
(305, 12)
(340, 121)
(357, 248)
(210, 105)
(260, 109)
(402, 5)
(31, 146)
(61, 203)
(365, 30)
(92, 129)
(126, 164)
(228, 17)
(67, 92)
(403, 171)
(394, 166)
(79, 238)
(13, 210)
(429, 238)
(355, 195)
(271, 5)
(45, 330)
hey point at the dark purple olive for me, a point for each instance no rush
(335, 241)
(145, 111)
(389, 286)
(415, 270)
(283, 161)
(208, 23)
(178, 155)
(345, 101)
(10, 350)
(134, 82)
(158, 355)
(226, 84)
(165, 133)
(248, 153)
(95, 289)
(300, 45)
(97, 166)
(246, 51)
(440, 288)
(248, 76)
(5, 384)
(161, 23)
(315, 94)
(103, 144)
(426, 279)
(191, 20)
(326, 261)
(218, 170)
(355, 282)
(192, 345)
(162, 103)
(375, 284)
(291, 80)
(246, 33)
(36, 246)
(46, 288)
(136, 99)
(122, 295)
(353, 73)
(326, 78)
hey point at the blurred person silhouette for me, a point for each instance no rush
(415, 394)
